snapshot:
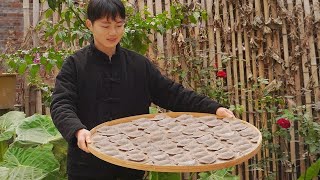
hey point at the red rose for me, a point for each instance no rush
(284, 123)
(222, 74)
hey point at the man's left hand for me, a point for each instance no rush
(224, 112)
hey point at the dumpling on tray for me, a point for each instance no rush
(137, 157)
(209, 159)
(226, 155)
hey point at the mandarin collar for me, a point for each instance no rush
(94, 49)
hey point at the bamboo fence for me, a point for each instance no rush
(252, 40)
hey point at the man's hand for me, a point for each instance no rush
(84, 138)
(223, 112)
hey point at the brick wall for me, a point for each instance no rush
(11, 21)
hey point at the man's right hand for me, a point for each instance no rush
(84, 138)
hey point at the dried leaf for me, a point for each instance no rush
(257, 22)
(291, 103)
(273, 86)
(266, 30)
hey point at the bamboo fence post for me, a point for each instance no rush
(227, 39)
(211, 42)
(316, 10)
(234, 55)
(252, 78)
(26, 26)
(274, 74)
(204, 41)
(287, 72)
(45, 7)
(248, 82)
(168, 49)
(36, 8)
(141, 7)
(314, 81)
(259, 122)
(184, 65)
(267, 60)
(194, 33)
(297, 84)
(26, 17)
(217, 22)
(241, 73)
(304, 60)
(151, 53)
(160, 48)
(312, 52)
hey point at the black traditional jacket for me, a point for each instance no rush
(91, 89)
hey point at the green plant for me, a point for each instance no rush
(218, 175)
(36, 63)
(312, 171)
(36, 150)
(164, 176)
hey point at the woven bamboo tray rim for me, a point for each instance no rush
(147, 167)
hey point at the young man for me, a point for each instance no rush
(104, 81)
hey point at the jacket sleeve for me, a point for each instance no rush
(64, 102)
(173, 96)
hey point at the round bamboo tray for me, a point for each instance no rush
(146, 167)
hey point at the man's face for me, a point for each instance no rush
(107, 32)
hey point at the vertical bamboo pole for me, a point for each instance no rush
(184, 64)
(316, 10)
(287, 72)
(260, 119)
(304, 60)
(313, 61)
(36, 8)
(26, 18)
(217, 19)
(312, 53)
(297, 80)
(160, 49)
(234, 55)
(248, 83)
(268, 62)
(151, 53)
(168, 40)
(305, 70)
(194, 32)
(210, 35)
(32, 100)
(45, 7)
(204, 43)
(274, 74)
(226, 41)
(241, 73)
(251, 94)
(141, 7)
(26, 26)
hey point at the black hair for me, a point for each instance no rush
(105, 8)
